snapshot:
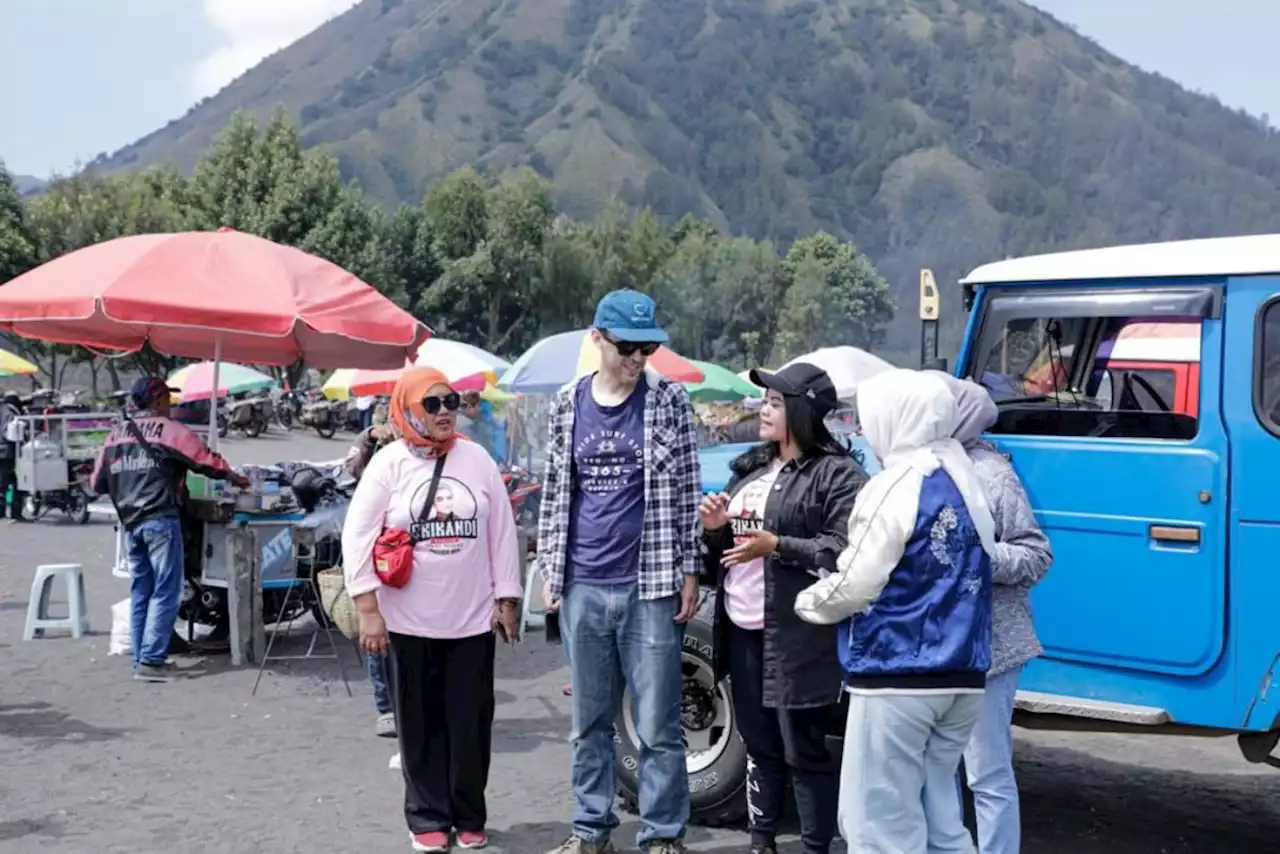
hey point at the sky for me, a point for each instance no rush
(82, 77)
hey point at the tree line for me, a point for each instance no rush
(481, 258)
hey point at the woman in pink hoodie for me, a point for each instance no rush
(439, 628)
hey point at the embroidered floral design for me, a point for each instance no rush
(940, 539)
(947, 546)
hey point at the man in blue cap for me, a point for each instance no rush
(620, 557)
(143, 467)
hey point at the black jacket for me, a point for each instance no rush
(808, 509)
(146, 481)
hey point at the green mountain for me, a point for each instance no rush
(938, 133)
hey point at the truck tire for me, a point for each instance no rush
(716, 755)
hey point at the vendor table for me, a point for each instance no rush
(255, 551)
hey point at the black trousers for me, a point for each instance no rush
(443, 695)
(782, 741)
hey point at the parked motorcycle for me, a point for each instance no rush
(350, 417)
(525, 492)
(249, 416)
(289, 409)
(320, 415)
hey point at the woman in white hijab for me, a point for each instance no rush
(1022, 558)
(913, 596)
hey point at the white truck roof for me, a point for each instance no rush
(1218, 256)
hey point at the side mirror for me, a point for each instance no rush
(935, 365)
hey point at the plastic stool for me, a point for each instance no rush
(77, 619)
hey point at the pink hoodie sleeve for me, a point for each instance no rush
(366, 517)
(504, 546)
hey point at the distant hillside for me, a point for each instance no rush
(931, 132)
(28, 185)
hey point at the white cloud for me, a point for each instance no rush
(250, 30)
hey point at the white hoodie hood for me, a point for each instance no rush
(907, 417)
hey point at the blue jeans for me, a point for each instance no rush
(988, 765)
(898, 777)
(612, 639)
(378, 679)
(155, 563)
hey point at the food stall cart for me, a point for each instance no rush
(56, 459)
(252, 557)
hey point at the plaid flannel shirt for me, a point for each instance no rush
(669, 548)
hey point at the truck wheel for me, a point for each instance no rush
(715, 754)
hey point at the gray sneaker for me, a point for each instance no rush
(578, 845)
(153, 673)
(665, 846)
(386, 726)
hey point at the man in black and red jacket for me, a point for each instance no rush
(143, 467)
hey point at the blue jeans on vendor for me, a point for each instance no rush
(615, 640)
(378, 680)
(155, 551)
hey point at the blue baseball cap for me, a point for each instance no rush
(146, 390)
(629, 316)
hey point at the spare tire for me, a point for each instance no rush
(716, 756)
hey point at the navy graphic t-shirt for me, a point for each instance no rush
(607, 518)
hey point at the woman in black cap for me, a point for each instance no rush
(780, 526)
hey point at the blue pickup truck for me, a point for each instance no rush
(1139, 397)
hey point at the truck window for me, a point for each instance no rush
(1054, 376)
(1266, 392)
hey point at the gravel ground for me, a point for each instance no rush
(94, 762)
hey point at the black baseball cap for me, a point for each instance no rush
(801, 379)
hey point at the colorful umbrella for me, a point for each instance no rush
(468, 367)
(221, 294)
(555, 361)
(458, 360)
(195, 382)
(12, 366)
(719, 384)
(382, 382)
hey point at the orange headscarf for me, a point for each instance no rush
(408, 413)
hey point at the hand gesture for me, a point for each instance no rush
(713, 512)
(506, 620)
(553, 605)
(373, 634)
(755, 544)
(688, 599)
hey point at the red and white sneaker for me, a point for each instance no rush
(472, 839)
(436, 841)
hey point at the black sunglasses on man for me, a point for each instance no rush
(626, 349)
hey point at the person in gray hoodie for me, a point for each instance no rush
(1022, 558)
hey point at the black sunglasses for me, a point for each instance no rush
(629, 348)
(450, 401)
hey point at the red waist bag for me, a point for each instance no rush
(393, 550)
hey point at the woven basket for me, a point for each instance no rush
(337, 602)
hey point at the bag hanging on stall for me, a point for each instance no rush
(393, 550)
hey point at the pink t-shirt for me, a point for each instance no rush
(744, 585)
(473, 558)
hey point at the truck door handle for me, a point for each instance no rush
(1174, 533)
